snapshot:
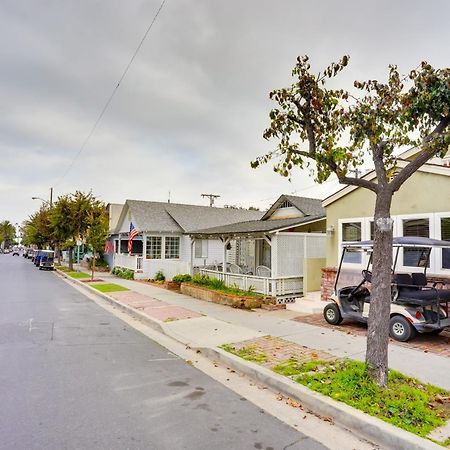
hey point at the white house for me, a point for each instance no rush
(163, 243)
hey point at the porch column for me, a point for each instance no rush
(274, 256)
(120, 244)
(144, 244)
(192, 255)
(224, 265)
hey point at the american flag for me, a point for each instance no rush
(109, 247)
(131, 235)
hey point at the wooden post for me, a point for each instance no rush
(192, 256)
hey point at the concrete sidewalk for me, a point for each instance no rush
(213, 325)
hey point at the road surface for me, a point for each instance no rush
(74, 376)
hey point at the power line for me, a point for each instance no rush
(99, 118)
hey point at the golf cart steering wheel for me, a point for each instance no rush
(367, 275)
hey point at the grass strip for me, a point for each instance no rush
(109, 287)
(78, 275)
(406, 402)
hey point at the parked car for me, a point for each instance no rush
(416, 307)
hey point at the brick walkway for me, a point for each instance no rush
(153, 308)
(278, 350)
(439, 345)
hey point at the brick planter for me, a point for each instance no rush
(234, 301)
(327, 282)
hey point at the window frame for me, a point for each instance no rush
(204, 247)
(168, 239)
(147, 241)
(438, 233)
(341, 222)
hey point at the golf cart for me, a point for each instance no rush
(416, 306)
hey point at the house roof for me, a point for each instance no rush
(427, 168)
(308, 206)
(257, 226)
(179, 218)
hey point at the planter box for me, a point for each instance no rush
(235, 301)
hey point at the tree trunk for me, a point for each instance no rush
(380, 301)
(93, 264)
(71, 258)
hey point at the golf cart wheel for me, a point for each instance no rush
(400, 329)
(332, 314)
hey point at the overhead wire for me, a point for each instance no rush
(108, 101)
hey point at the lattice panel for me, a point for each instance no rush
(290, 254)
(315, 246)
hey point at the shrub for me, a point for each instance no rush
(160, 276)
(181, 278)
(122, 272)
(200, 279)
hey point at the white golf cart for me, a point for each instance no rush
(416, 306)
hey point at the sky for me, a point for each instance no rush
(189, 116)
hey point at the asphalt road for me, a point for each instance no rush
(73, 376)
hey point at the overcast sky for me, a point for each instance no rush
(189, 116)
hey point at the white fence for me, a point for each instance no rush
(291, 286)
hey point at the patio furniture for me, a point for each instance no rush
(233, 268)
(263, 271)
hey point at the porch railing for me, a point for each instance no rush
(129, 262)
(289, 286)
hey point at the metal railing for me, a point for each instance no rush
(273, 286)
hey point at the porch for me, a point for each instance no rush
(279, 287)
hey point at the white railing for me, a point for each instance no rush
(129, 262)
(273, 286)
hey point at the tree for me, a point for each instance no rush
(331, 131)
(62, 224)
(7, 233)
(37, 229)
(97, 232)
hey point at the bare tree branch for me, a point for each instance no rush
(425, 156)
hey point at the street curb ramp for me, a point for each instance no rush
(368, 427)
(371, 428)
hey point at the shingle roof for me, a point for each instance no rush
(175, 217)
(257, 226)
(308, 206)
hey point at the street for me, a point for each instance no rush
(74, 376)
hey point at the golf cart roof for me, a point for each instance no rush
(408, 241)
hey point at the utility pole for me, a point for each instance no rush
(51, 197)
(211, 197)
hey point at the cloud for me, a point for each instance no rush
(190, 114)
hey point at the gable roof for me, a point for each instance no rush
(427, 168)
(180, 218)
(308, 206)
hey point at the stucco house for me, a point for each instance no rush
(281, 254)
(420, 208)
(163, 243)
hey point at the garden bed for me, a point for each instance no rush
(209, 294)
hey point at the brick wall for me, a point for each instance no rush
(327, 282)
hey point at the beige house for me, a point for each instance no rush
(420, 208)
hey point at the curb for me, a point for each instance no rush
(368, 427)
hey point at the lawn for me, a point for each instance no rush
(78, 275)
(109, 287)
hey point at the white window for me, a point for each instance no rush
(443, 223)
(153, 247)
(351, 232)
(201, 248)
(172, 247)
(417, 227)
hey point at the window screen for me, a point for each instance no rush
(351, 232)
(414, 257)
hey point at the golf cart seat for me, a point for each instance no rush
(418, 294)
(419, 279)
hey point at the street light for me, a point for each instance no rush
(49, 202)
